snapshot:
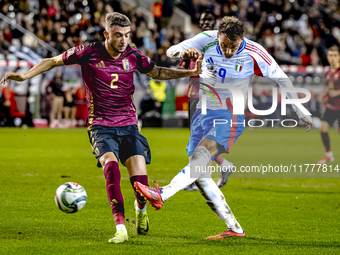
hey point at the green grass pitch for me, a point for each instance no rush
(280, 215)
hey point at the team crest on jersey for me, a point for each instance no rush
(126, 64)
(149, 60)
(239, 64)
(70, 51)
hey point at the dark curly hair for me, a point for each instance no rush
(232, 27)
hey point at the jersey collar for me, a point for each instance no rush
(242, 47)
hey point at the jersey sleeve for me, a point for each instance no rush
(144, 63)
(199, 42)
(271, 70)
(77, 55)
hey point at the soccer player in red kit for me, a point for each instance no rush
(107, 70)
(332, 102)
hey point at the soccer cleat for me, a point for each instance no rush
(225, 174)
(191, 187)
(326, 159)
(142, 221)
(225, 234)
(119, 237)
(153, 195)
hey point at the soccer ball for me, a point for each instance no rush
(70, 197)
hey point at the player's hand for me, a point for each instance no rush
(333, 93)
(309, 123)
(190, 53)
(12, 76)
(198, 68)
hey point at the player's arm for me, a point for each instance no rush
(274, 72)
(190, 48)
(334, 93)
(285, 82)
(43, 66)
(163, 73)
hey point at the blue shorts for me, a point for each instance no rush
(124, 142)
(202, 126)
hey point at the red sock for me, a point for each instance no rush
(143, 179)
(114, 194)
(219, 159)
(325, 140)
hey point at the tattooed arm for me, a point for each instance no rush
(163, 73)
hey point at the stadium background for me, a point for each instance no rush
(296, 33)
(294, 215)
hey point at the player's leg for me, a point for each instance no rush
(196, 168)
(137, 171)
(135, 154)
(106, 150)
(226, 168)
(327, 120)
(110, 166)
(60, 104)
(192, 102)
(53, 112)
(216, 201)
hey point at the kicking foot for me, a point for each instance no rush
(227, 170)
(153, 195)
(142, 221)
(119, 237)
(225, 234)
(326, 159)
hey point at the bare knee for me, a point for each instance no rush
(106, 158)
(324, 127)
(210, 145)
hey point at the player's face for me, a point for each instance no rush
(333, 58)
(207, 22)
(118, 38)
(229, 48)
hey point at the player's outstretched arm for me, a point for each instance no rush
(163, 73)
(43, 66)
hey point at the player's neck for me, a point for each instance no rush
(112, 53)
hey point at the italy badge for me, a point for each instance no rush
(238, 66)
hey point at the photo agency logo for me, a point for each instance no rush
(237, 107)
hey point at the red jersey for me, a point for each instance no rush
(333, 81)
(108, 82)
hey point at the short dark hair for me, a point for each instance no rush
(232, 27)
(208, 11)
(334, 48)
(116, 19)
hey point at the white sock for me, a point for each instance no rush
(120, 227)
(329, 153)
(143, 210)
(189, 174)
(226, 166)
(180, 181)
(215, 199)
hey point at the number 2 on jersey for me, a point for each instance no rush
(114, 80)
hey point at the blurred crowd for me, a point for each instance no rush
(293, 31)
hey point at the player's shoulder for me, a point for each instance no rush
(207, 39)
(212, 34)
(257, 51)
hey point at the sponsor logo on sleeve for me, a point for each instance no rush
(70, 51)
